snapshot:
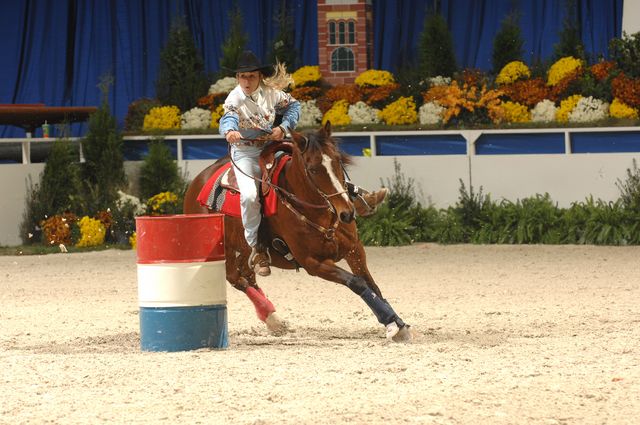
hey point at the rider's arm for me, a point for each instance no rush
(289, 107)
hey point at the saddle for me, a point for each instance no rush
(221, 192)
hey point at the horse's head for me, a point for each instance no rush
(323, 164)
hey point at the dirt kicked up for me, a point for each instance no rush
(506, 335)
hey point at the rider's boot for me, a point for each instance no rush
(260, 260)
(366, 203)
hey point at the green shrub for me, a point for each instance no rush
(181, 78)
(449, 228)
(425, 222)
(283, 45)
(570, 43)
(605, 223)
(476, 218)
(159, 172)
(391, 227)
(630, 188)
(625, 51)
(589, 85)
(233, 44)
(507, 44)
(401, 189)
(56, 192)
(471, 209)
(103, 170)
(436, 54)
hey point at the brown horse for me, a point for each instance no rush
(315, 219)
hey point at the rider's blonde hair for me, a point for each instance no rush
(280, 79)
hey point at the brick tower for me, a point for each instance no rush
(345, 39)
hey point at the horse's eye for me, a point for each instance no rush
(313, 170)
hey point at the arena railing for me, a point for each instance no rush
(377, 143)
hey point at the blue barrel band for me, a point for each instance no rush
(183, 328)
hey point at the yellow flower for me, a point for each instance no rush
(561, 69)
(216, 115)
(306, 75)
(619, 109)
(133, 240)
(338, 114)
(375, 78)
(92, 232)
(512, 72)
(162, 202)
(163, 118)
(566, 106)
(402, 111)
(515, 112)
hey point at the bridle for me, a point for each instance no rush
(287, 198)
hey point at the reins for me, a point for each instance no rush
(277, 188)
(328, 233)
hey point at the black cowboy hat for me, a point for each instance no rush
(249, 62)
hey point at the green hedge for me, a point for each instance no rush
(476, 218)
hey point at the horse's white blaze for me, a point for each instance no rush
(326, 162)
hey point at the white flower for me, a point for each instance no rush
(310, 114)
(431, 113)
(223, 85)
(124, 199)
(439, 81)
(361, 113)
(544, 111)
(589, 109)
(196, 118)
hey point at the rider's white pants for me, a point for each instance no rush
(246, 158)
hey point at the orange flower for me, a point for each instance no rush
(378, 96)
(469, 99)
(627, 90)
(474, 77)
(211, 101)
(105, 218)
(601, 70)
(527, 92)
(57, 229)
(304, 94)
(349, 92)
(435, 93)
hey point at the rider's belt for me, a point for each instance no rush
(256, 143)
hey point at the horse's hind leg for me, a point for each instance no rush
(242, 278)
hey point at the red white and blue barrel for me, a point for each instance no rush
(182, 291)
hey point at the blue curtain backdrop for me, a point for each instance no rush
(55, 51)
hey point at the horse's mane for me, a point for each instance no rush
(320, 141)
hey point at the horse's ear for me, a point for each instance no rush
(300, 140)
(327, 129)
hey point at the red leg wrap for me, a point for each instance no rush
(263, 306)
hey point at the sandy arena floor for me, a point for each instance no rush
(508, 335)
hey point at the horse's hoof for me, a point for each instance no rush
(403, 335)
(276, 325)
(397, 334)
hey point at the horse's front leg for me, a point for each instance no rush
(357, 261)
(397, 330)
